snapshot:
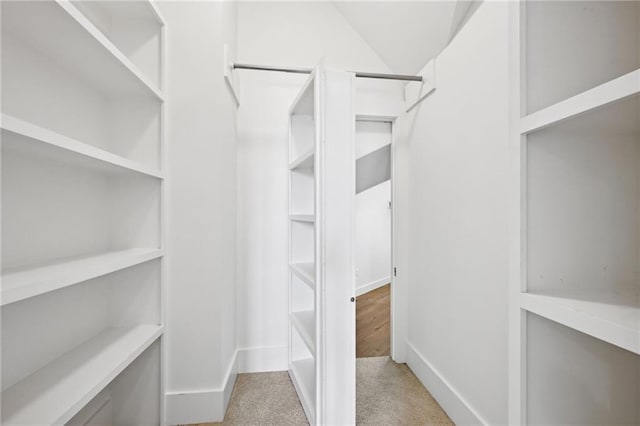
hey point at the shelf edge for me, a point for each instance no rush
(612, 91)
(299, 326)
(49, 137)
(309, 280)
(307, 218)
(596, 327)
(104, 381)
(38, 288)
(295, 164)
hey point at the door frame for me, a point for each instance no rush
(398, 326)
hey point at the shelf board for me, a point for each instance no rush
(302, 218)
(23, 283)
(303, 376)
(137, 10)
(304, 102)
(611, 316)
(600, 96)
(68, 37)
(304, 161)
(31, 139)
(306, 272)
(304, 322)
(56, 392)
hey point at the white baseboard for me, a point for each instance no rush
(201, 406)
(258, 360)
(372, 286)
(449, 399)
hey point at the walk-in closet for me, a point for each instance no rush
(319, 212)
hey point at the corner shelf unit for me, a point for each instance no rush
(321, 190)
(82, 129)
(575, 298)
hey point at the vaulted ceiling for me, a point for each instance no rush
(406, 34)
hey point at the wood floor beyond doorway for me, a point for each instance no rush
(373, 319)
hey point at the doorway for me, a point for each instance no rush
(373, 237)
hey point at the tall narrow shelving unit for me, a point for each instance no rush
(575, 306)
(321, 258)
(82, 212)
(303, 236)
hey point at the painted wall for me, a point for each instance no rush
(293, 34)
(373, 238)
(201, 317)
(452, 180)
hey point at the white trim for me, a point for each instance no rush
(517, 319)
(262, 359)
(204, 405)
(449, 399)
(372, 285)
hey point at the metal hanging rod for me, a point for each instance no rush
(309, 70)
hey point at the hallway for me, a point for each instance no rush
(387, 394)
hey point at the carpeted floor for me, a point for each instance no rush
(387, 394)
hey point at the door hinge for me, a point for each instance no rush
(395, 272)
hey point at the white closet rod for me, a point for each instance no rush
(308, 71)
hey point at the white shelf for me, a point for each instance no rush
(302, 218)
(22, 283)
(304, 102)
(55, 393)
(306, 272)
(607, 93)
(304, 322)
(302, 374)
(138, 10)
(66, 35)
(305, 161)
(611, 316)
(46, 143)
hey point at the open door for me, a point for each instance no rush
(321, 252)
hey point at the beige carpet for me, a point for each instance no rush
(264, 399)
(387, 394)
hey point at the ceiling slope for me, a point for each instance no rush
(406, 34)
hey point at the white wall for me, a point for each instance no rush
(454, 248)
(286, 34)
(201, 211)
(373, 238)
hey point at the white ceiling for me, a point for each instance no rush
(406, 34)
